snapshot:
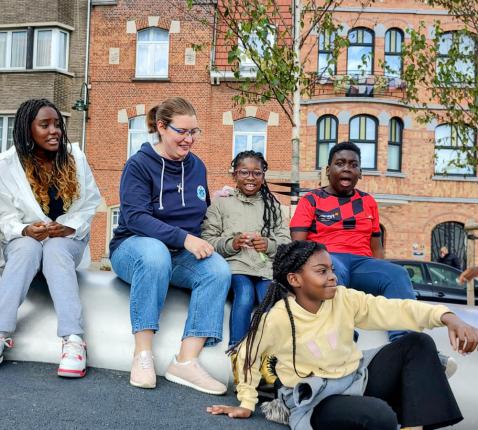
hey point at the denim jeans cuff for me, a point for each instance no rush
(142, 327)
(213, 338)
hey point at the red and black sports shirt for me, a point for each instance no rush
(343, 224)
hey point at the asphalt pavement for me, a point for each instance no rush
(33, 397)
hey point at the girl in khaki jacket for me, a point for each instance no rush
(245, 228)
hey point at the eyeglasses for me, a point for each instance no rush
(244, 173)
(194, 132)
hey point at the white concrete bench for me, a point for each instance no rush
(105, 301)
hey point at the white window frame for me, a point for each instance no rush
(55, 39)
(250, 135)
(138, 43)
(8, 53)
(246, 62)
(114, 213)
(152, 137)
(4, 135)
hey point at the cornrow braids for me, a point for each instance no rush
(63, 176)
(272, 215)
(290, 258)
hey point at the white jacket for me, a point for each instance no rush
(19, 208)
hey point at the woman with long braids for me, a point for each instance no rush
(307, 322)
(48, 197)
(246, 228)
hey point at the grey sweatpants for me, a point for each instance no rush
(57, 258)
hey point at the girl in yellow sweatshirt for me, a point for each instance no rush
(307, 322)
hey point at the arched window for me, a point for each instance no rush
(363, 132)
(462, 68)
(393, 53)
(452, 235)
(326, 65)
(360, 52)
(395, 140)
(152, 53)
(326, 138)
(249, 134)
(449, 159)
(138, 134)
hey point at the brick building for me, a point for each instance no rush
(141, 54)
(42, 55)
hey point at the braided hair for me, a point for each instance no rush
(272, 215)
(63, 175)
(290, 258)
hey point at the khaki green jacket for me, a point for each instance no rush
(228, 216)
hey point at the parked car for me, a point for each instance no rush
(436, 281)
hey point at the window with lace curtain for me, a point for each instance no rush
(50, 49)
(13, 49)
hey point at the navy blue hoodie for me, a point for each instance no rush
(161, 198)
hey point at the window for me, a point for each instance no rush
(415, 272)
(138, 134)
(326, 65)
(259, 42)
(249, 134)
(395, 138)
(449, 159)
(363, 132)
(360, 52)
(444, 276)
(6, 132)
(393, 53)
(152, 53)
(462, 48)
(51, 49)
(13, 49)
(326, 138)
(114, 221)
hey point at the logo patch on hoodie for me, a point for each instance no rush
(201, 193)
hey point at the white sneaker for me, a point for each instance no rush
(5, 342)
(73, 358)
(448, 364)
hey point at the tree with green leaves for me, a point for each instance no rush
(440, 71)
(268, 44)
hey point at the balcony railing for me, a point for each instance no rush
(357, 85)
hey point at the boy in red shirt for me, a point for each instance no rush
(346, 220)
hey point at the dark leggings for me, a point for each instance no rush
(406, 385)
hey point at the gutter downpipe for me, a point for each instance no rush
(85, 79)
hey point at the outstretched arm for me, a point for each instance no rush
(463, 337)
(468, 274)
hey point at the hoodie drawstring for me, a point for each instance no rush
(182, 183)
(161, 191)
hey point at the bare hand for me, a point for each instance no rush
(463, 337)
(241, 240)
(36, 230)
(230, 411)
(468, 275)
(259, 243)
(59, 230)
(198, 247)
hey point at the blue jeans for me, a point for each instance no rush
(245, 289)
(149, 266)
(373, 276)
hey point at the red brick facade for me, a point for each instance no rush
(412, 203)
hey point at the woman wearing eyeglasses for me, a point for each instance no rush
(163, 200)
(246, 228)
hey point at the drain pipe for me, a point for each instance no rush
(85, 79)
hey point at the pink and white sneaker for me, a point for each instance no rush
(5, 342)
(73, 358)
